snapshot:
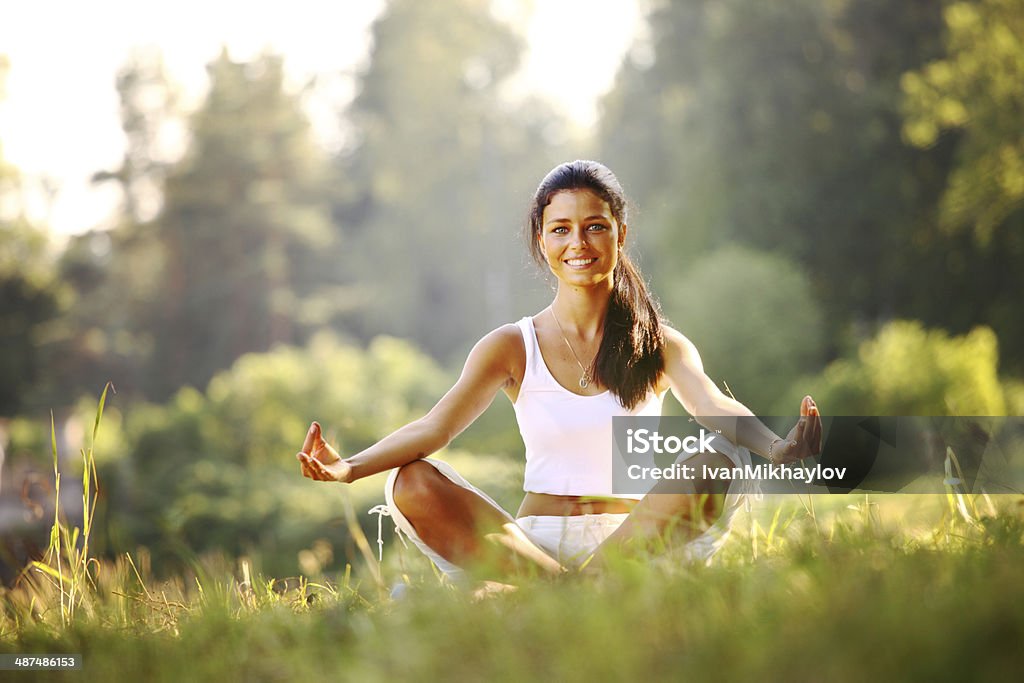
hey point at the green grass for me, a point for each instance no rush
(848, 594)
(828, 588)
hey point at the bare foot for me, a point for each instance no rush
(489, 589)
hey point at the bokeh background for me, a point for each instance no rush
(320, 222)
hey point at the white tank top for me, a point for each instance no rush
(568, 437)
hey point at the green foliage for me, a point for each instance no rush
(30, 299)
(264, 400)
(909, 370)
(753, 319)
(777, 125)
(217, 470)
(1013, 391)
(975, 89)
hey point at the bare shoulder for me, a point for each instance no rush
(691, 386)
(679, 349)
(501, 351)
(505, 341)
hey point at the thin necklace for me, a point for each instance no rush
(585, 378)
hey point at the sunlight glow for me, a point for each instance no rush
(60, 121)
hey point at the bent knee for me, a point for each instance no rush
(416, 484)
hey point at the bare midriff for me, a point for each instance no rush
(569, 506)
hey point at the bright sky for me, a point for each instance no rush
(60, 118)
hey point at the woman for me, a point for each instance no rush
(599, 350)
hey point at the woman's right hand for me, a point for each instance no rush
(321, 462)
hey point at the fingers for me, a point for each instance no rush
(324, 452)
(815, 439)
(814, 433)
(311, 438)
(312, 469)
(309, 446)
(303, 467)
(320, 471)
(316, 447)
(804, 440)
(809, 427)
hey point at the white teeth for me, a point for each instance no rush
(580, 261)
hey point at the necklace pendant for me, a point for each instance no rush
(584, 383)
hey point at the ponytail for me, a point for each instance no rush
(631, 357)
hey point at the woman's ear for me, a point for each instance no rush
(622, 234)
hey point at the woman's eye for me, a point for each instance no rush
(560, 229)
(598, 226)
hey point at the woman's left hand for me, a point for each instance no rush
(319, 461)
(804, 440)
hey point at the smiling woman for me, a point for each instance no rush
(578, 229)
(601, 350)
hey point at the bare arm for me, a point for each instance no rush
(714, 410)
(488, 369)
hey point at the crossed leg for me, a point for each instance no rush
(673, 512)
(464, 528)
(471, 532)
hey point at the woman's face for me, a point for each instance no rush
(580, 238)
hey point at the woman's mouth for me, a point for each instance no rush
(579, 262)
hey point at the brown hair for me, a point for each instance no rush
(631, 357)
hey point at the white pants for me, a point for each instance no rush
(569, 540)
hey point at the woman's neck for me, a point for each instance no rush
(581, 310)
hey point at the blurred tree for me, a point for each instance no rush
(976, 89)
(151, 120)
(910, 370)
(106, 333)
(778, 125)
(971, 101)
(242, 213)
(29, 291)
(216, 470)
(209, 257)
(438, 173)
(757, 327)
(29, 299)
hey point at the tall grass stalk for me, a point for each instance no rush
(356, 532)
(66, 562)
(959, 502)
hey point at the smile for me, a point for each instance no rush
(580, 262)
